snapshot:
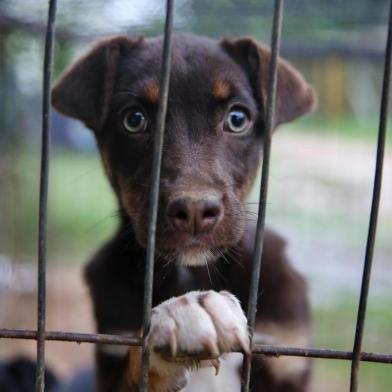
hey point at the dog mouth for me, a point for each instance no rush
(193, 250)
(192, 255)
(199, 257)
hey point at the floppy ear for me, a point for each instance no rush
(294, 96)
(85, 89)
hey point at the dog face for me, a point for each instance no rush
(213, 135)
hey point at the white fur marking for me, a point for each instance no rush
(192, 259)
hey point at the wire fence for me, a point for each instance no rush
(41, 335)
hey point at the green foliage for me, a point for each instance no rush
(334, 328)
(81, 208)
(309, 20)
(346, 127)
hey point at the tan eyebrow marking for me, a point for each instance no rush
(152, 91)
(222, 89)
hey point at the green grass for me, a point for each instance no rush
(334, 375)
(344, 126)
(81, 207)
(333, 327)
(341, 317)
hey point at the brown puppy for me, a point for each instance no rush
(214, 132)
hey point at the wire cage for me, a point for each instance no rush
(41, 335)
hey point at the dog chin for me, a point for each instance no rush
(195, 258)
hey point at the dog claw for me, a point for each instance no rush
(216, 364)
(244, 342)
(173, 344)
(211, 347)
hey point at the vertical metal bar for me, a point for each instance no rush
(43, 196)
(374, 211)
(270, 112)
(154, 191)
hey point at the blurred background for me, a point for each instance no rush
(320, 185)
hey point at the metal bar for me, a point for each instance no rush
(71, 337)
(154, 191)
(259, 349)
(322, 353)
(270, 112)
(374, 211)
(43, 196)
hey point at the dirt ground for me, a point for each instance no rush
(68, 309)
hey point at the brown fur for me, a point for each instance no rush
(221, 89)
(202, 161)
(152, 92)
(157, 383)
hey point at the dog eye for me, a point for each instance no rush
(237, 120)
(134, 121)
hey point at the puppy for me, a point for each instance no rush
(205, 239)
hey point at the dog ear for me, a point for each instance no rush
(294, 96)
(85, 89)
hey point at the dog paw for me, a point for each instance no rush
(198, 326)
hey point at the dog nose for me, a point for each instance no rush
(194, 216)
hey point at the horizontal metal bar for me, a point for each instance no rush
(321, 353)
(268, 350)
(71, 337)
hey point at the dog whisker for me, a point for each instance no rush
(208, 271)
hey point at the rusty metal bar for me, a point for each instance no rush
(260, 349)
(154, 191)
(258, 250)
(322, 353)
(7, 333)
(43, 196)
(373, 212)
